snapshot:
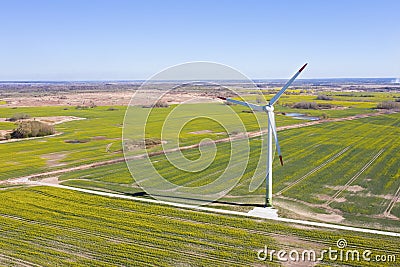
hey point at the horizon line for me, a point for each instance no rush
(141, 80)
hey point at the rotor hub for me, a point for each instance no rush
(269, 108)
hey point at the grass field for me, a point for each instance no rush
(347, 172)
(318, 161)
(101, 128)
(101, 131)
(340, 155)
(49, 226)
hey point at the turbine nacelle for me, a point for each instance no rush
(269, 108)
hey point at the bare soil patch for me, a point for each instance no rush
(53, 159)
(201, 132)
(50, 180)
(50, 120)
(340, 199)
(4, 132)
(120, 98)
(296, 211)
(352, 188)
(99, 138)
(323, 197)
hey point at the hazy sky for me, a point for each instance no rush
(90, 40)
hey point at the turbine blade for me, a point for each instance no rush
(252, 106)
(271, 118)
(278, 95)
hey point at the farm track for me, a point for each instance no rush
(392, 202)
(312, 171)
(151, 154)
(349, 182)
(222, 211)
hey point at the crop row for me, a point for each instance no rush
(49, 226)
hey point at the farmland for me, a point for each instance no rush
(322, 157)
(99, 136)
(47, 226)
(101, 128)
(342, 171)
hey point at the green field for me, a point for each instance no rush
(101, 131)
(49, 226)
(345, 172)
(304, 150)
(334, 146)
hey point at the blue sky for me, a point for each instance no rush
(91, 40)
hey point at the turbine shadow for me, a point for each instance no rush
(230, 203)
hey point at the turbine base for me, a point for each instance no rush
(267, 213)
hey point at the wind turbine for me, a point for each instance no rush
(269, 109)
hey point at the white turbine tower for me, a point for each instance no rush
(269, 109)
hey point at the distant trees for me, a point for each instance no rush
(131, 145)
(32, 129)
(388, 105)
(324, 97)
(306, 105)
(91, 104)
(158, 104)
(161, 104)
(19, 116)
(311, 105)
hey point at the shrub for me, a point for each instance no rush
(324, 116)
(324, 97)
(81, 107)
(32, 129)
(90, 105)
(158, 104)
(19, 116)
(161, 104)
(325, 106)
(131, 145)
(388, 105)
(77, 141)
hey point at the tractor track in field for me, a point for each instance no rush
(25, 179)
(392, 202)
(150, 246)
(312, 171)
(352, 179)
(221, 211)
(19, 262)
